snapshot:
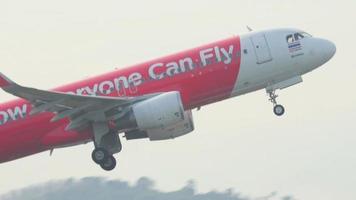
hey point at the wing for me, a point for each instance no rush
(81, 110)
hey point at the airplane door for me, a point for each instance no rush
(262, 50)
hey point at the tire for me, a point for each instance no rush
(109, 164)
(278, 110)
(99, 155)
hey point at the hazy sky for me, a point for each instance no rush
(308, 153)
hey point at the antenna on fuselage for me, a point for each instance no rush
(249, 29)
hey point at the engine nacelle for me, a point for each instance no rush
(163, 110)
(173, 131)
(176, 130)
(163, 117)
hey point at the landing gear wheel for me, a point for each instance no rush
(109, 164)
(278, 110)
(100, 155)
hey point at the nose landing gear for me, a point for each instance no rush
(277, 108)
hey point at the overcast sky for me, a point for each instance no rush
(309, 153)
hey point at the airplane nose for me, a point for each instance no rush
(328, 50)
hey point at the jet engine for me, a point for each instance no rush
(161, 117)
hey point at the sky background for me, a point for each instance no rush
(309, 153)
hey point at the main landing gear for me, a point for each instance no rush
(277, 108)
(107, 143)
(103, 158)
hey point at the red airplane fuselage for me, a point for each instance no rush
(202, 75)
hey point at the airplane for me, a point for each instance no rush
(155, 99)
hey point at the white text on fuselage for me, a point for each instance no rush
(159, 71)
(156, 71)
(11, 114)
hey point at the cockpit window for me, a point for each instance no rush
(290, 38)
(306, 34)
(297, 36)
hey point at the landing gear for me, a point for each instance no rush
(277, 108)
(109, 164)
(107, 143)
(99, 155)
(102, 157)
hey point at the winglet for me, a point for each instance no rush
(4, 81)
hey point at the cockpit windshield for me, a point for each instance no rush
(297, 36)
(306, 34)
